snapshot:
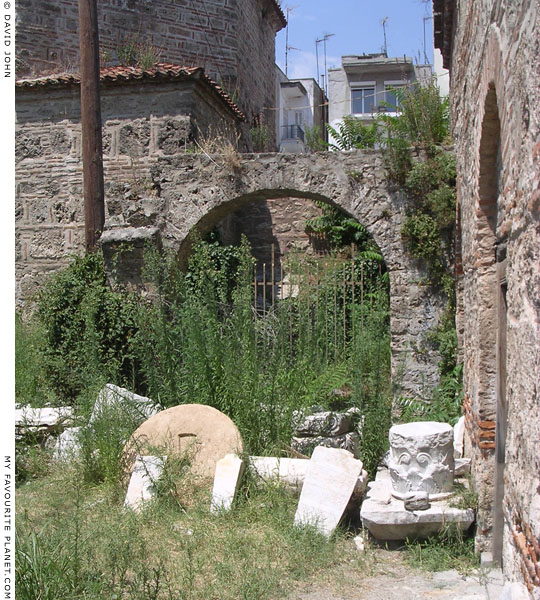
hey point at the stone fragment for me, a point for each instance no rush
(290, 471)
(462, 466)
(202, 432)
(112, 396)
(347, 441)
(324, 424)
(330, 481)
(416, 501)
(146, 473)
(67, 444)
(360, 543)
(390, 521)
(46, 417)
(459, 437)
(422, 458)
(229, 471)
(514, 591)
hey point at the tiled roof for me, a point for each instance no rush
(280, 13)
(119, 74)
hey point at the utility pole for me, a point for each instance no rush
(92, 151)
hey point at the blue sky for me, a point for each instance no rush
(356, 25)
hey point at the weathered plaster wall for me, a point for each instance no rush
(234, 40)
(495, 104)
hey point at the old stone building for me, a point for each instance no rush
(233, 40)
(491, 48)
(145, 115)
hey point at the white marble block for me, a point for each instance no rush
(229, 471)
(422, 459)
(146, 473)
(330, 481)
(67, 445)
(112, 396)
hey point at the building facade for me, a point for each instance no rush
(491, 48)
(145, 116)
(233, 40)
(366, 84)
(301, 112)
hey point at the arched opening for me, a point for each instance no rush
(491, 283)
(320, 309)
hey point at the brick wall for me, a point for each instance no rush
(234, 40)
(495, 106)
(278, 222)
(141, 122)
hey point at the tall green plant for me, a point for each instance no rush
(353, 133)
(88, 328)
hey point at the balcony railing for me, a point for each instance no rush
(292, 132)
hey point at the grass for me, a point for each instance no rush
(75, 540)
(450, 549)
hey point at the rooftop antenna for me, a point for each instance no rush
(383, 23)
(287, 48)
(289, 9)
(426, 61)
(323, 39)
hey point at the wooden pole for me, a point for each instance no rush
(92, 151)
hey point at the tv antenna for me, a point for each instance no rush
(426, 61)
(288, 10)
(323, 40)
(383, 23)
(287, 48)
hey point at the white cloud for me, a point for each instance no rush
(304, 64)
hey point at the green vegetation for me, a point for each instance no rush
(352, 133)
(201, 340)
(76, 541)
(134, 52)
(451, 549)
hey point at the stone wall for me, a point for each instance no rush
(233, 40)
(279, 223)
(495, 107)
(141, 121)
(197, 191)
(154, 189)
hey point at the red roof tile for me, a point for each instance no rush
(120, 74)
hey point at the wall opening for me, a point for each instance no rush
(492, 302)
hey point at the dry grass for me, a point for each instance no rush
(176, 547)
(221, 144)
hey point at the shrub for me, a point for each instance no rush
(88, 328)
(353, 133)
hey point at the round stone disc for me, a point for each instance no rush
(203, 432)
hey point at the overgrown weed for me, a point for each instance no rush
(450, 549)
(79, 542)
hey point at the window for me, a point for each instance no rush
(390, 96)
(363, 100)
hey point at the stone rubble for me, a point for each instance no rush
(330, 481)
(111, 396)
(229, 470)
(331, 429)
(142, 486)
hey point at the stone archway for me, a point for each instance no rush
(197, 191)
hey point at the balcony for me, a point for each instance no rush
(292, 132)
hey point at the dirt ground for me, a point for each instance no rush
(389, 578)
